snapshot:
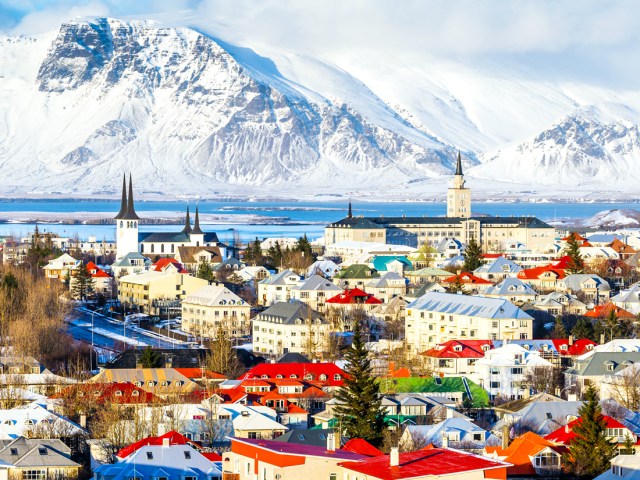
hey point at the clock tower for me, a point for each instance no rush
(458, 197)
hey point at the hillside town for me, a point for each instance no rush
(457, 346)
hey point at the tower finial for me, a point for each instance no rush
(187, 223)
(123, 203)
(350, 214)
(459, 165)
(196, 224)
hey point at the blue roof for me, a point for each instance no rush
(380, 262)
(468, 305)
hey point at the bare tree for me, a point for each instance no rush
(625, 387)
(541, 379)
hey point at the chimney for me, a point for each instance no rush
(445, 441)
(394, 457)
(331, 442)
(83, 420)
(449, 412)
(166, 442)
(571, 339)
(505, 436)
(169, 361)
(566, 428)
(602, 339)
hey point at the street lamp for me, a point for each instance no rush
(91, 352)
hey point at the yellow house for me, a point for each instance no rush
(145, 289)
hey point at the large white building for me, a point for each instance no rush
(490, 232)
(439, 317)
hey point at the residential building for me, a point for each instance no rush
(290, 327)
(324, 268)
(391, 263)
(543, 278)
(427, 275)
(503, 371)
(629, 299)
(594, 366)
(35, 420)
(472, 284)
(153, 291)
(452, 432)
(192, 257)
(162, 382)
(626, 467)
(277, 288)
(426, 464)
(594, 288)
(540, 417)
(355, 276)
(497, 269)
(214, 306)
(327, 374)
(131, 264)
(314, 291)
(558, 303)
(387, 286)
(60, 268)
(166, 461)
(529, 455)
(34, 458)
(457, 357)
(514, 290)
(439, 317)
(269, 459)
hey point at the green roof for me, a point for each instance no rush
(357, 270)
(429, 385)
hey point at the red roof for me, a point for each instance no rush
(289, 449)
(174, 437)
(212, 456)
(467, 278)
(164, 262)
(564, 435)
(536, 272)
(493, 255)
(434, 461)
(300, 370)
(563, 263)
(451, 349)
(355, 295)
(96, 271)
(361, 446)
(576, 236)
(602, 311)
(122, 393)
(579, 347)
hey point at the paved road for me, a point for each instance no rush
(112, 335)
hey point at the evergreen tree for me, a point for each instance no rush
(360, 412)
(590, 452)
(583, 329)
(149, 358)
(472, 256)
(303, 246)
(83, 284)
(558, 330)
(205, 271)
(253, 253)
(572, 250)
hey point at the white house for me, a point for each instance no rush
(503, 370)
(277, 288)
(498, 269)
(512, 289)
(314, 291)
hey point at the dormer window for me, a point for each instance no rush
(457, 348)
(118, 393)
(610, 366)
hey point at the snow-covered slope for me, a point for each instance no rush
(190, 113)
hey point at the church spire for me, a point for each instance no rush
(187, 223)
(459, 165)
(131, 211)
(196, 225)
(123, 203)
(350, 214)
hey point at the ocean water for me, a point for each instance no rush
(295, 218)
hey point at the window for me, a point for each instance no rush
(14, 451)
(187, 455)
(495, 384)
(477, 437)
(337, 376)
(516, 371)
(149, 455)
(34, 474)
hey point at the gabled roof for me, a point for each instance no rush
(300, 370)
(96, 271)
(565, 435)
(214, 295)
(511, 286)
(468, 279)
(361, 446)
(388, 279)
(283, 449)
(357, 270)
(429, 272)
(286, 277)
(575, 281)
(290, 313)
(354, 296)
(467, 305)
(603, 311)
(174, 438)
(579, 347)
(380, 262)
(459, 349)
(536, 272)
(165, 262)
(499, 265)
(424, 463)
(317, 283)
(520, 451)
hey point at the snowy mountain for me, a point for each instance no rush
(191, 114)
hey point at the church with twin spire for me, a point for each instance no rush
(129, 239)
